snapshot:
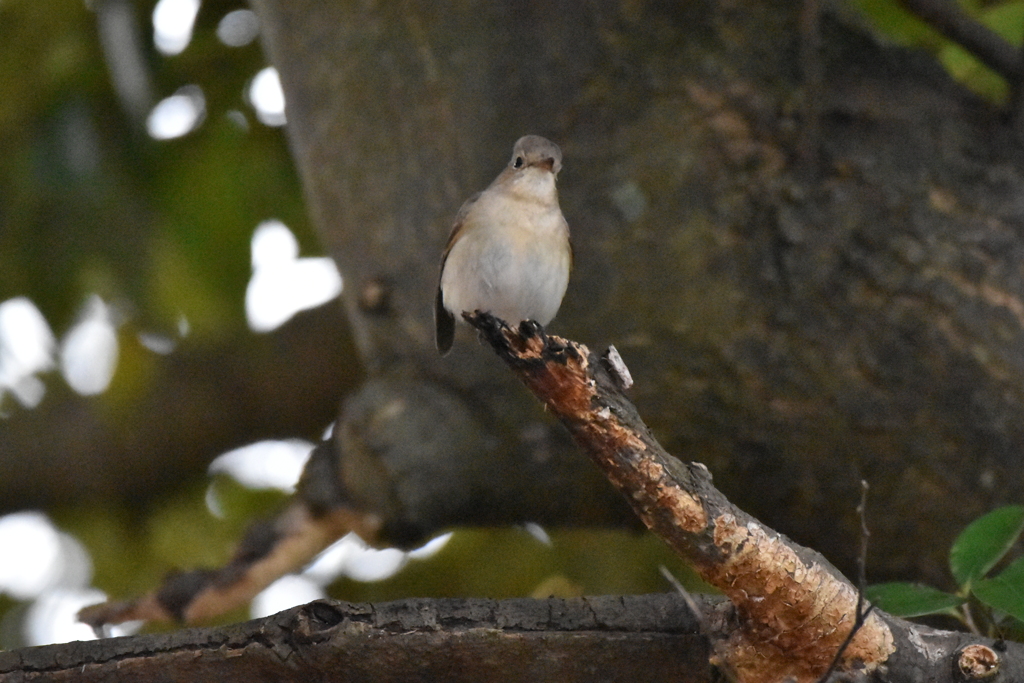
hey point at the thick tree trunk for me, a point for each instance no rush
(794, 332)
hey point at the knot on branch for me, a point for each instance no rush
(527, 344)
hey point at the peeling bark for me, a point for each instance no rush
(793, 609)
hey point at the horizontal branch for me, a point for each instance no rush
(452, 640)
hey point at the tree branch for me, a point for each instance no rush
(451, 640)
(794, 610)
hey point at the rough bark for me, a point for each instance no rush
(584, 639)
(795, 616)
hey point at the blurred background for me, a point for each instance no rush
(171, 343)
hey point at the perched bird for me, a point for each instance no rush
(509, 253)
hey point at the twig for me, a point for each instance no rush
(862, 614)
(698, 613)
(968, 619)
(723, 666)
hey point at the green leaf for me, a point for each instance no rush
(1006, 19)
(971, 72)
(896, 23)
(984, 542)
(1006, 591)
(911, 599)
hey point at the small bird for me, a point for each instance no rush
(509, 253)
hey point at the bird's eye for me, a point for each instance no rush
(518, 163)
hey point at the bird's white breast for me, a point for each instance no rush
(512, 258)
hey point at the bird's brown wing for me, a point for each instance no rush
(444, 321)
(572, 249)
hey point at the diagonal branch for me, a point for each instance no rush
(789, 599)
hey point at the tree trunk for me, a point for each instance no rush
(795, 322)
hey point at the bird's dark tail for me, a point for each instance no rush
(444, 325)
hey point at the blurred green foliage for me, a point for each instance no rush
(506, 563)
(132, 555)
(1005, 17)
(91, 204)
